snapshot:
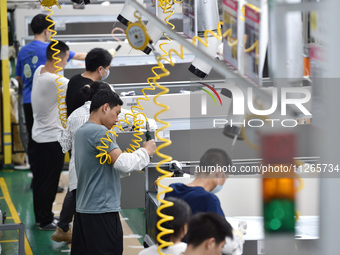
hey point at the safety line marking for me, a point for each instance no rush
(13, 211)
(8, 241)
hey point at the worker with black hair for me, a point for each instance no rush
(207, 234)
(200, 193)
(181, 212)
(66, 140)
(97, 68)
(48, 157)
(30, 57)
(97, 228)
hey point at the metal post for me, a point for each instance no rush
(329, 134)
(282, 61)
(21, 228)
(7, 134)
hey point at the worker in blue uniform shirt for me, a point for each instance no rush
(200, 193)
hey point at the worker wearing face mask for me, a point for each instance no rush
(212, 173)
(200, 193)
(97, 68)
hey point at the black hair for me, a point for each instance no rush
(97, 57)
(215, 157)
(105, 96)
(207, 225)
(89, 91)
(181, 212)
(39, 23)
(61, 46)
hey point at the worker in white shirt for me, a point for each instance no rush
(48, 157)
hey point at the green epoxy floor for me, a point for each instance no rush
(18, 184)
(136, 221)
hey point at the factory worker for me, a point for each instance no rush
(97, 228)
(30, 57)
(181, 212)
(207, 234)
(200, 193)
(48, 157)
(97, 68)
(97, 62)
(75, 120)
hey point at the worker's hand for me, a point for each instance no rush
(150, 146)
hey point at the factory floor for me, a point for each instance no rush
(17, 202)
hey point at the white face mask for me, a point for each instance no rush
(107, 75)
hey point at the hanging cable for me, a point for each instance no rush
(138, 117)
(137, 30)
(166, 6)
(218, 36)
(61, 98)
(117, 39)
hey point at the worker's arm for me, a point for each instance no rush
(79, 56)
(136, 161)
(65, 139)
(19, 80)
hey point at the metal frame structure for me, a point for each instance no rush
(7, 134)
(242, 82)
(21, 229)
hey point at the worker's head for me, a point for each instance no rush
(98, 60)
(89, 91)
(182, 213)
(40, 24)
(106, 105)
(62, 52)
(207, 233)
(214, 165)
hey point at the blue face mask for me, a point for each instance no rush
(107, 75)
(217, 188)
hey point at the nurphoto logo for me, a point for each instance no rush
(204, 99)
(285, 97)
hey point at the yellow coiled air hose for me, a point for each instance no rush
(166, 6)
(138, 121)
(166, 158)
(218, 36)
(255, 45)
(167, 57)
(61, 99)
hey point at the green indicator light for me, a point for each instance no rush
(279, 216)
(275, 224)
(278, 212)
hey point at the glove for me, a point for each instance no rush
(235, 246)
